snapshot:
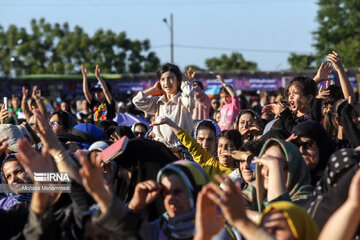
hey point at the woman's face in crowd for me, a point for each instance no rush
(225, 98)
(225, 146)
(207, 139)
(275, 152)
(245, 170)
(176, 198)
(309, 150)
(245, 121)
(217, 117)
(169, 83)
(276, 224)
(84, 106)
(139, 131)
(214, 103)
(14, 173)
(56, 127)
(15, 102)
(63, 106)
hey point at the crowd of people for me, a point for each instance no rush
(283, 165)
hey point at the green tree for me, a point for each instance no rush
(194, 67)
(339, 29)
(58, 49)
(301, 61)
(230, 63)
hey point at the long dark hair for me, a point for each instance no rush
(330, 123)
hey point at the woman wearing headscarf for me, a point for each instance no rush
(229, 140)
(315, 146)
(345, 221)
(333, 188)
(207, 134)
(141, 161)
(181, 182)
(281, 175)
(61, 123)
(280, 220)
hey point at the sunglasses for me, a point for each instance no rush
(54, 124)
(139, 133)
(305, 144)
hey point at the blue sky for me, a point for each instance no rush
(264, 31)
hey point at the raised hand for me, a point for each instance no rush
(144, 194)
(32, 160)
(269, 162)
(323, 94)
(92, 176)
(157, 87)
(274, 108)
(323, 72)
(230, 201)
(240, 155)
(350, 101)
(36, 93)
(292, 138)
(251, 131)
(160, 120)
(25, 92)
(218, 77)
(84, 71)
(208, 220)
(97, 73)
(46, 133)
(3, 145)
(334, 58)
(4, 114)
(190, 74)
(115, 137)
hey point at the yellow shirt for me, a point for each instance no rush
(207, 161)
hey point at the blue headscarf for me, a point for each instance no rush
(217, 128)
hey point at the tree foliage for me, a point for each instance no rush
(301, 61)
(55, 48)
(229, 63)
(339, 30)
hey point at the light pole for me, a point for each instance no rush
(171, 28)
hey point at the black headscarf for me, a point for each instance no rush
(143, 158)
(316, 132)
(66, 119)
(338, 163)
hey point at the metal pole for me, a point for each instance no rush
(172, 38)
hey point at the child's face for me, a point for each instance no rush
(296, 99)
(100, 96)
(217, 117)
(169, 83)
(225, 98)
